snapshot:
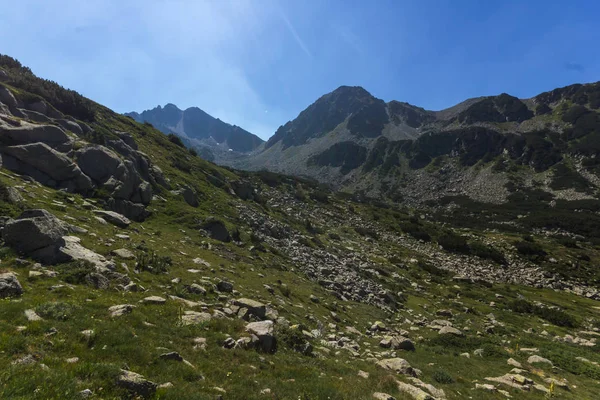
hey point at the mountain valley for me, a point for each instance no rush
(368, 250)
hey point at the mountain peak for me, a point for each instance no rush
(194, 123)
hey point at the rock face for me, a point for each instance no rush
(9, 285)
(125, 180)
(27, 133)
(263, 330)
(47, 166)
(44, 151)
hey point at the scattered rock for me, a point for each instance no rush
(154, 300)
(31, 315)
(382, 396)
(398, 365)
(514, 363)
(363, 374)
(448, 330)
(224, 286)
(114, 218)
(9, 285)
(195, 318)
(121, 309)
(136, 383)
(124, 254)
(413, 391)
(254, 307)
(535, 359)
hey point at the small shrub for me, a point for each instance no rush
(285, 290)
(76, 272)
(530, 249)
(193, 152)
(320, 196)
(433, 270)
(367, 232)
(483, 251)
(453, 243)
(152, 262)
(293, 339)
(415, 230)
(58, 311)
(442, 376)
(182, 164)
(552, 315)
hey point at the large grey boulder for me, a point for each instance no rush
(131, 210)
(99, 163)
(43, 237)
(398, 365)
(46, 166)
(263, 330)
(158, 176)
(70, 126)
(254, 307)
(114, 218)
(128, 139)
(33, 230)
(9, 285)
(39, 106)
(189, 195)
(27, 133)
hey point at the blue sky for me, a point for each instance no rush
(259, 63)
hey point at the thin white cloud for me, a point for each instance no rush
(295, 35)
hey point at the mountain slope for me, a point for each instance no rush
(243, 285)
(200, 130)
(355, 142)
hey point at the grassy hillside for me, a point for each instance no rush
(345, 280)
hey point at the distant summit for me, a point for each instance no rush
(199, 129)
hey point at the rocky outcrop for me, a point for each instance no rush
(43, 237)
(27, 133)
(47, 166)
(127, 189)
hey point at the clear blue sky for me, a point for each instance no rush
(259, 63)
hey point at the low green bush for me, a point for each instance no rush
(442, 376)
(58, 310)
(152, 262)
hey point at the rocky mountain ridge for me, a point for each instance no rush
(354, 142)
(213, 138)
(254, 285)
